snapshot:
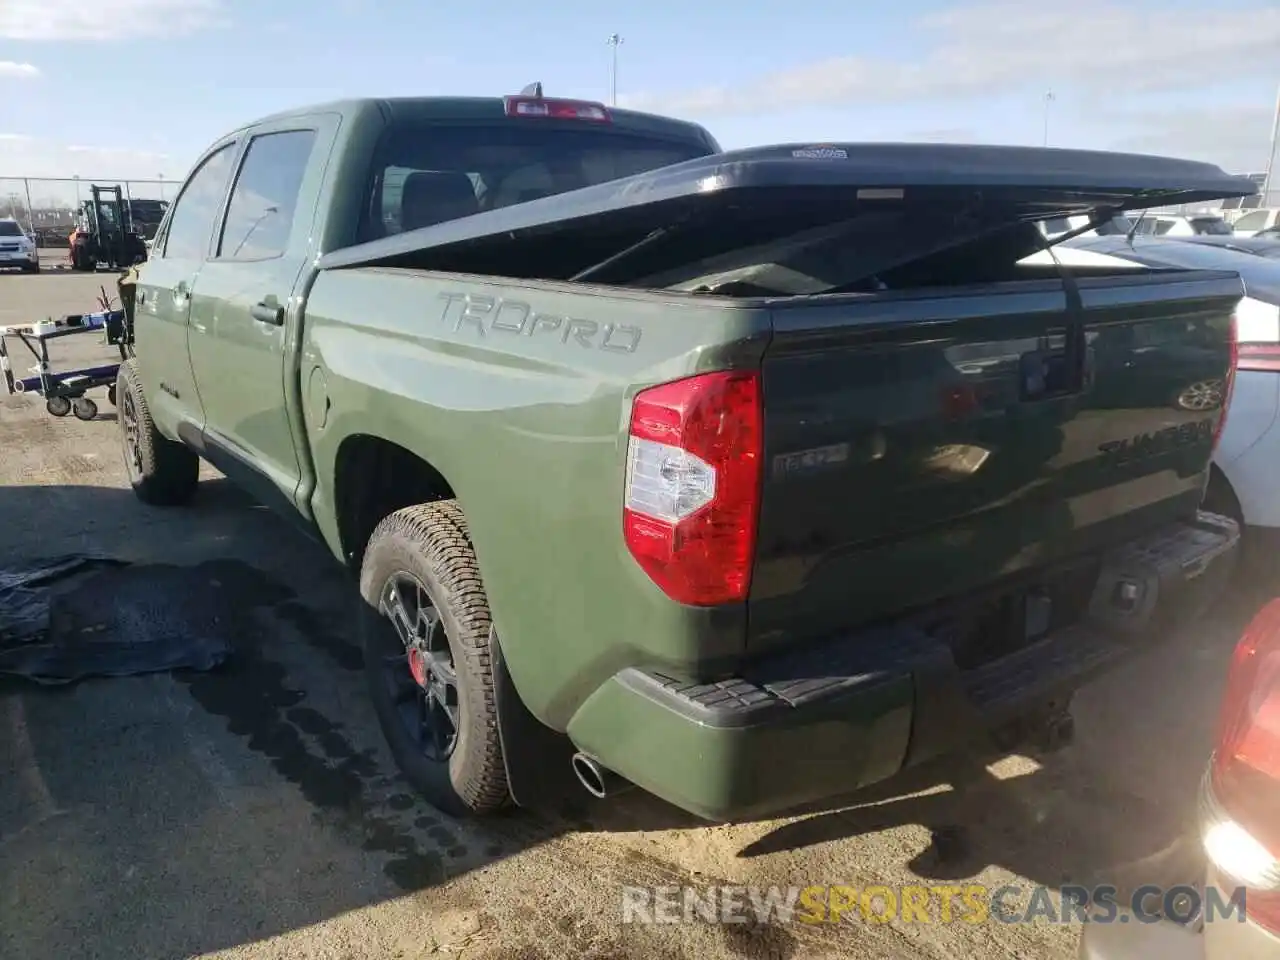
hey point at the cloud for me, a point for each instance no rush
(19, 71)
(1234, 137)
(52, 20)
(995, 48)
(60, 163)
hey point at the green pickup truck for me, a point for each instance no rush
(749, 478)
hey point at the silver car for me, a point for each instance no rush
(16, 248)
(1239, 829)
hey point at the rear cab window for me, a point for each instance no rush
(429, 172)
(1211, 226)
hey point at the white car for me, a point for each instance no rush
(1242, 481)
(1180, 225)
(1057, 226)
(1249, 224)
(1239, 830)
(17, 249)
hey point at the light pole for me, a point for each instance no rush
(614, 41)
(1271, 153)
(1048, 99)
(160, 176)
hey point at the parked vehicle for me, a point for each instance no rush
(146, 215)
(748, 478)
(1255, 221)
(1242, 483)
(1258, 245)
(1239, 828)
(1059, 226)
(17, 249)
(105, 233)
(1177, 225)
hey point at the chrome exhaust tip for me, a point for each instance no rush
(597, 780)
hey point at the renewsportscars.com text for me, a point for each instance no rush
(935, 903)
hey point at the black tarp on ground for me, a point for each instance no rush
(71, 617)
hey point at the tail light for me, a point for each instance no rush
(693, 485)
(1229, 381)
(1259, 356)
(557, 109)
(1242, 838)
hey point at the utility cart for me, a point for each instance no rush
(64, 391)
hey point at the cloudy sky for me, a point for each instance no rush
(136, 88)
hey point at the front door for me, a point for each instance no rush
(242, 311)
(163, 301)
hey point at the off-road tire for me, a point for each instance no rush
(167, 473)
(431, 543)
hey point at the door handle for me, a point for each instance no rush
(265, 313)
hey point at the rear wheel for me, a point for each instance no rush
(161, 472)
(426, 627)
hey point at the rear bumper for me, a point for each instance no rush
(1128, 939)
(820, 723)
(1217, 935)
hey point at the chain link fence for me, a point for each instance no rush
(49, 206)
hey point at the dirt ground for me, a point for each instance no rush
(253, 812)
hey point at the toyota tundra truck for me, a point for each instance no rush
(747, 478)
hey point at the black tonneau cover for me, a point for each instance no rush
(798, 186)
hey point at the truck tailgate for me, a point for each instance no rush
(921, 445)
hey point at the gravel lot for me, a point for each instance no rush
(254, 813)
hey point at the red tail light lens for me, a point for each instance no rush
(1259, 356)
(1246, 769)
(1229, 381)
(693, 485)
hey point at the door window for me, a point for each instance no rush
(191, 223)
(1253, 221)
(260, 215)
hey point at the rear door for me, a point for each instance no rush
(165, 283)
(244, 307)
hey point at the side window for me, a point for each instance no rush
(1163, 227)
(191, 221)
(1252, 221)
(260, 215)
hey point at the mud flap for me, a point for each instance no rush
(538, 759)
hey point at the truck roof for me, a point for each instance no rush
(429, 109)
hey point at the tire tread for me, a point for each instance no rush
(170, 471)
(438, 531)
